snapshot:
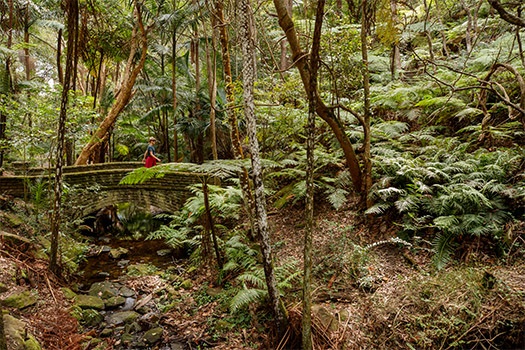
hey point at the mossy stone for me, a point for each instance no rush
(186, 284)
(32, 344)
(153, 335)
(3, 287)
(68, 293)
(14, 330)
(89, 302)
(104, 290)
(114, 302)
(91, 318)
(21, 300)
(122, 317)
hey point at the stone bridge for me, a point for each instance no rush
(88, 188)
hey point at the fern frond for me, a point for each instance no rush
(443, 246)
(246, 297)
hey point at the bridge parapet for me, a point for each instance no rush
(90, 188)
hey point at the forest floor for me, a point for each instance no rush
(370, 292)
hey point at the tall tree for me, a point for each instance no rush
(138, 43)
(326, 113)
(72, 14)
(310, 148)
(249, 73)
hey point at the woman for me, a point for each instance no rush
(150, 159)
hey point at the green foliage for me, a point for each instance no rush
(449, 191)
(254, 286)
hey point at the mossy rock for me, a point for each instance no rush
(142, 270)
(15, 332)
(104, 290)
(32, 344)
(123, 317)
(186, 284)
(3, 288)
(68, 293)
(114, 302)
(89, 302)
(153, 335)
(21, 300)
(91, 318)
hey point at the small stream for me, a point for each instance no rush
(100, 266)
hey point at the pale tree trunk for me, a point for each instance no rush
(395, 64)
(72, 13)
(174, 91)
(310, 168)
(367, 158)
(249, 73)
(138, 38)
(235, 137)
(327, 114)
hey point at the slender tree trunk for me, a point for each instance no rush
(427, 7)
(249, 74)
(212, 90)
(327, 114)
(126, 90)
(174, 90)
(310, 148)
(211, 226)
(367, 158)
(235, 137)
(8, 87)
(395, 66)
(72, 11)
(60, 73)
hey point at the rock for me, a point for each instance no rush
(128, 304)
(214, 292)
(91, 318)
(186, 284)
(344, 315)
(21, 300)
(123, 263)
(3, 288)
(328, 320)
(132, 328)
(118, 253)
(153, 335)
(142, 270)
(89, 302)
(126, 292)
(163, 252)
(15, 332)
(68, 293)
(32, 344)
(113, 302)
(122, 317)
(104, 290)
(106, 332)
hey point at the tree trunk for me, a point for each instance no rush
(367, 158)
(327, 114)
(248, 73)
(174, 91)
(71, 11)
(235, 137)
(7, 80)
(126, 90)
(395, 64)
(310, 168)
(212, 90)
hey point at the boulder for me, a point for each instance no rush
(122, 317)
(104, 290)
(89, 302)
(21, 300)
(153, 335)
